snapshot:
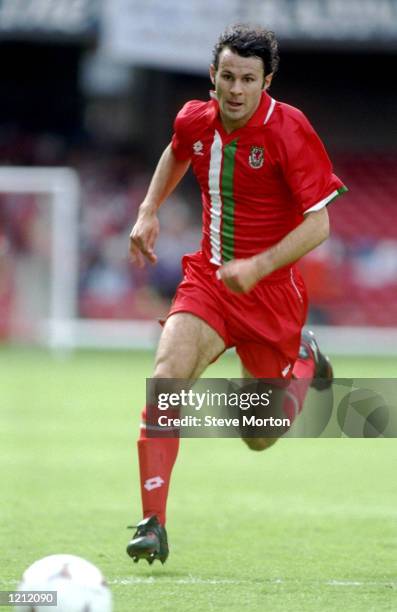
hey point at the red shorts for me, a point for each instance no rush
(264, 325)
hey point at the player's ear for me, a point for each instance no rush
(267, 80)
(212, 73)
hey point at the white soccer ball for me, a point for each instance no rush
(79, 584)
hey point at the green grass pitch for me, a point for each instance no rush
(308, 525)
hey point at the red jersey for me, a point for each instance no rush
(256, 182)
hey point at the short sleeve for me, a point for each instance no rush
(308, 169)
(181, 139)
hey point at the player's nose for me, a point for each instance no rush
(236, 87)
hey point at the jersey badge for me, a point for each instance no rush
(256, 157)
(198, 148)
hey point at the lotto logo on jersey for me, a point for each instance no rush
(198, 148)
(256, 157)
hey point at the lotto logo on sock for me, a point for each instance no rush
(153, 483)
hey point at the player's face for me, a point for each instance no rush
(239, 82)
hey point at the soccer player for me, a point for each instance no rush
(266, 181)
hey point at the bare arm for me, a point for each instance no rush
(241, 275)
(143, 236)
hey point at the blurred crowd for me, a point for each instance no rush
(352, 278)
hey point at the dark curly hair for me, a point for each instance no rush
(249, 41)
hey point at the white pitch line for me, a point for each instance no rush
(361, 583)
(196, 580)
(161, 580)
(214, 581)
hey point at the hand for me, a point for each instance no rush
(240, 275)
(143, 237)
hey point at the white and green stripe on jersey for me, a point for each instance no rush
(220, 186)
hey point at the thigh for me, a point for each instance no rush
(187, 346)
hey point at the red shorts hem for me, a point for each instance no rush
(201, 316)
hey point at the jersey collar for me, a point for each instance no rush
(259, 117)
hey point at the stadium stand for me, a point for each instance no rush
(353, 281)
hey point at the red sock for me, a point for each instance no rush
(302, 376)
(156, 460)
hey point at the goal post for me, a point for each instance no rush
(62, 185)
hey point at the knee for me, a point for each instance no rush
(259, 444)
(163, 370)
(166, 366)
(170, 366)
